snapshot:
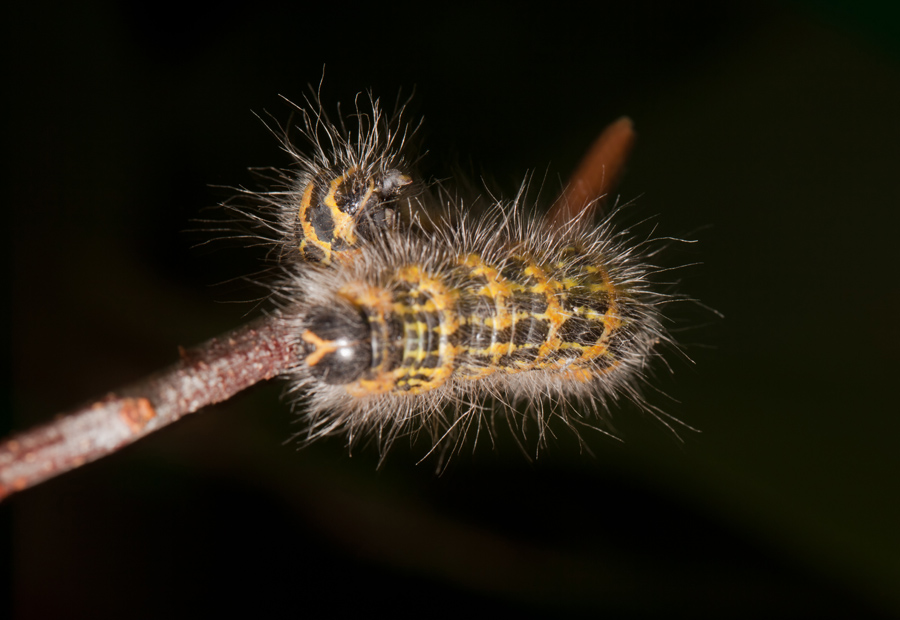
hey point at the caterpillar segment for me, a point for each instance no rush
(338, 212)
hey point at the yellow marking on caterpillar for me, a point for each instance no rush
(376, 302)
(310, 237)
(581, 375)
(346, 257)
(344, 225)
(382, 384)
(480, 373)
(610, 318)
(323, 347)
(365, 295)
(554, 314)
(438, 299)
(498, 289)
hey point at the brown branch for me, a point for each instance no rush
(211, 373)
(597, 174)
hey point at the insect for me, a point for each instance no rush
(412, 326)
(335, 198)
(424, 326)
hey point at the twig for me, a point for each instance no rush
(211, 373)
(596, 175)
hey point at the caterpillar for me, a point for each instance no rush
(415, 324)
(331, 201)
(424, 326)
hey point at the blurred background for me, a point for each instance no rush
(767, 131)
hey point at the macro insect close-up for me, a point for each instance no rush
(500, 379)
(391, 326)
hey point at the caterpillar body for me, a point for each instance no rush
(406, 321)
(353, 185)
(338, 211)
(422, 327)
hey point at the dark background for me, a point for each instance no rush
(769, 133)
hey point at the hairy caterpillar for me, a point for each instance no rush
(411, 326)
(421, 327)
(332, 201)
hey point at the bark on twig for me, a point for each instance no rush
(596, 175)
(210, 373)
